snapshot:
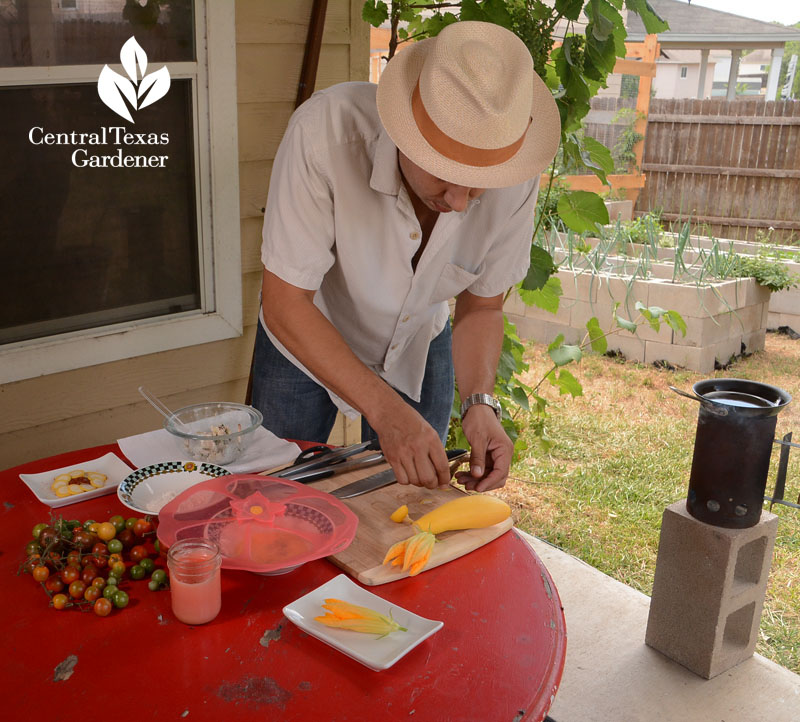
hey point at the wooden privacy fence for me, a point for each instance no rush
(730, 167)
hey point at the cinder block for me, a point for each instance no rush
(700, 359)
(560, 316)
(631, 347)
(756, 293)
(705, 331)
(747, 319)
(514, 304)
(708, 591)
(787, 301)
(730, 348)
(755, 341)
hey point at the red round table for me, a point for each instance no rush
(499, 656)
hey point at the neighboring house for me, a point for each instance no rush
(710, 36)
(69, 378)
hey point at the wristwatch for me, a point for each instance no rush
(486, 399)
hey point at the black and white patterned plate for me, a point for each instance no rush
(150, 488)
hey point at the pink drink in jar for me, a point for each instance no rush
(194, 566)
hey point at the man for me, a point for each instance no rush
(382, 207)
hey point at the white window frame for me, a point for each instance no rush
(219, 317)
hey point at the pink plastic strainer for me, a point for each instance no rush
(260, 523)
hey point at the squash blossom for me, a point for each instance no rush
(413, 553)
(345, 615)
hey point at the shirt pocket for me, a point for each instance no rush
(452, 281)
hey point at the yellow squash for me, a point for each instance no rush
(469, 512)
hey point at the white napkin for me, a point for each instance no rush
(266, 451)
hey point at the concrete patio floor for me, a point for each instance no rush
(611, 675)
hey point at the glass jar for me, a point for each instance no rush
(194, 568)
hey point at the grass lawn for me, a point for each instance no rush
(623, 452)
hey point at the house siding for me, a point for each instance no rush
(99, 404)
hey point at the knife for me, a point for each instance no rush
(387, 477)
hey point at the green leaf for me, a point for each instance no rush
(625, 324)
(556, 342)
(570, 9)
(546, 298)
(675, 321)
(375, 12)
(600, 160)
(520, 398)
(496, 11)
(582, 211)
(507, 365)
(565, 354)
(600, 26)
(653, 23)
(598, 339)
(541, 268)
(566, 383)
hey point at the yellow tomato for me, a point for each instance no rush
(106, 531)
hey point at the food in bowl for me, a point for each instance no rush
(217, 432)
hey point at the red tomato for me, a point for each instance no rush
(40, 573)
(89, 573)
(99, 548)
(138, 553)
(92, 594)
(33, 561)
(60, 601)
(127, 537)
(54, 584)
(77, 589)
(69, 574)
(142, 527)
(102, 607)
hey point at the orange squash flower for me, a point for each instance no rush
(345, 615)
(412, 553)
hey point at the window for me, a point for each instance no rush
(684, 71)
(114, 229)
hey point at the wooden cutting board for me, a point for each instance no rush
(377, 532)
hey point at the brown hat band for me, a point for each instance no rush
(455, 150)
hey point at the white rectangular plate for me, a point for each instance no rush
(374, 653)
(111, 465)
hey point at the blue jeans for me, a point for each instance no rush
(297, 407)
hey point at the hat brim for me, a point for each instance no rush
(396, 85)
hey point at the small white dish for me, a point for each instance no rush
(375, 653)
(152, 487)
(111, 465)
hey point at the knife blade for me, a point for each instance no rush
(385, 478)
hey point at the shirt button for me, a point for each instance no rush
(404, 319)
(414, 236)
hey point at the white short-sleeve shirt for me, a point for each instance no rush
(339, 221)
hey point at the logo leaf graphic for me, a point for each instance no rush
(111, 86)
(132, 54)
(157, 83)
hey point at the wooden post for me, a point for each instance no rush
(651, 50)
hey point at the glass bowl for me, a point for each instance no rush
(218, 432)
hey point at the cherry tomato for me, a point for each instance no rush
(102, 607)
(137, 553)
(114, 559)
(136, 572)
(32, 547)
(88, 523)
(121, 599)
(110, 591)
(89, 574)
(74, 558)
(99, 582)
(117, 569)
(33, 561)
(60, 601)
(77, 588)
(92, 594)
(69, 574)
(49, 536)
(99, 548)
(106, 531)
(115, 546)
(126, 536)
(159, 576)
(130, 522)
(38, 529)
(147, 564)
(153, 586)
(83, 540)
(40, 573)
(94, 526)
(53, 584)
(118, 522)
(142, 527)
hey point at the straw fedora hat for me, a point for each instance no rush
(467, 107)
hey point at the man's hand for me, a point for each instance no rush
(490, 458)
(411, 446)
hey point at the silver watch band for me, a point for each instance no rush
(485, 399)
